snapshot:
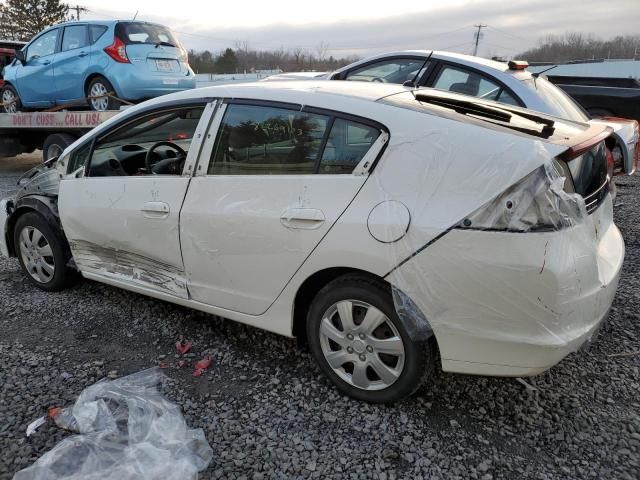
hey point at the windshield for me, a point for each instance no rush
(559, 102)
(136, 33)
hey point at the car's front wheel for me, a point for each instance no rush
(362, 345)
(41, 253)
(100, 94)
(10, 100)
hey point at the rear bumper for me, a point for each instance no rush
(515, 304)
(133, 83)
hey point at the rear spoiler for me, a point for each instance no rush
(584, 145)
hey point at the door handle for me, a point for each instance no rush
(302, 218)
(83, 54)
(46, 62)
(156, 210)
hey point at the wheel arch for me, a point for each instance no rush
(44, 206)
(413, 318)
(93, 76)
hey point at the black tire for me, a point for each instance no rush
(59, 257)
(419, 356)
(99, 85)
(55, 144)
(8, 92)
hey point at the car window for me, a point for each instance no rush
(398, 70)
(127, 150)
(79, 157)
(95, 32)
(43, 45)
(506, 97)
(74, 37)
(347, 144)
(559, 103)
(459, 80)
(135, 32)
(265, 140)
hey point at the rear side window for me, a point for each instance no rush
(398, 70)
(145, 33)
(95, 32)
(347, 144)
(264, 140)
(74, 37)
(463, 81)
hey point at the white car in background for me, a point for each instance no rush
(504, 82)
(379, 224)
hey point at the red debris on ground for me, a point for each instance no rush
(183, 347)
(202, 365)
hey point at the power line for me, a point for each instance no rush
(507, 33)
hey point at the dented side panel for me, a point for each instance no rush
(114, 230)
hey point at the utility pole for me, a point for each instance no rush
(78, 9)
(480, 26)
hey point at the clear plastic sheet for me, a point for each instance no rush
(127, 430)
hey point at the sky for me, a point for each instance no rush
(362, 28)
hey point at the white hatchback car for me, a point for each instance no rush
(378, 224)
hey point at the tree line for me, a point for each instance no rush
(244, 59)
(580, 46)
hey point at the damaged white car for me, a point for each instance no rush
(389, 229)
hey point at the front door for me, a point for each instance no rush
(122, 216)
(72, 62)
(35, 78)
(272, 181)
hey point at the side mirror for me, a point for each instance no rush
(21, 57)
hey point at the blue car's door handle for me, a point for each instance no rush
(46, 62)
(83, 54)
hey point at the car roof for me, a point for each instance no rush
(490, 66)
(295, 90)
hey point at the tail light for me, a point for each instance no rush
(537, 203)
(118, 51)
(610, 163)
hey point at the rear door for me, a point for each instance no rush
(72, 62)
(271, 182)
(121, 216)
(35, 78)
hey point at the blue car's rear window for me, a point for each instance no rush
(137, 33)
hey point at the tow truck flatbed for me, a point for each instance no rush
(51, 132)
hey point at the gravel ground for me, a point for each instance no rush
(268, 413)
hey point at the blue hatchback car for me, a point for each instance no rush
(74, 62)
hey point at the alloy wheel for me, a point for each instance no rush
(37, 255)
(362, 345)
(99, 99)
(9, 101)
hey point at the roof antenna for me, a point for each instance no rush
(536, 75)
(134, 17)
(412, 82)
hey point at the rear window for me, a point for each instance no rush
(145, 33)
(559, 102)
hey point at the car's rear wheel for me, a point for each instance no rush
(362, 345)
(100, 94)
(10, 100)
(55, 144)
(41, 253)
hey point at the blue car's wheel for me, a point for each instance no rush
(10, 100)
(100, 95)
